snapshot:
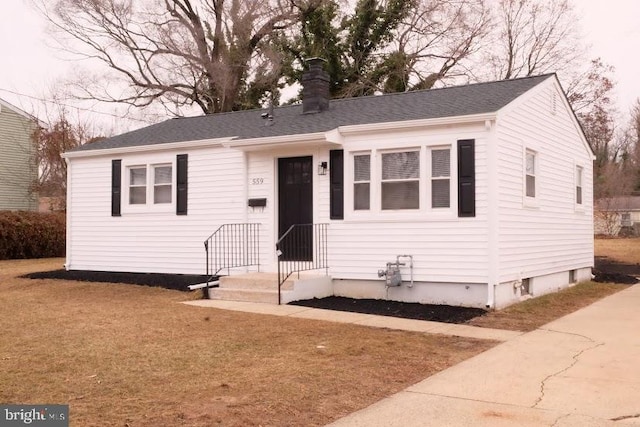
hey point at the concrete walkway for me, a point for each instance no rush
(581, 370)
(360, 319)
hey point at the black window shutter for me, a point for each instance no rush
(336, 188)
(466, 178)
(181, 184)
(116, 187)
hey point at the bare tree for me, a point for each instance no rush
(436, 40)
(50, 142)
(633, 136)
(374, 46)
(613, 186)
(533, 37)
(173, 52)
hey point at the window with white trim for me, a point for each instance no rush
(150, 184)
(400, 180)
(579, 185)
(441, 178)
(137, 185)
(361, 182)
(530, 173)
(162, 184)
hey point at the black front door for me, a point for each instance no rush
(295, 206)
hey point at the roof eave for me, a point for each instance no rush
(202, 143)
(255, 144)
(411, 124)
(333, 136)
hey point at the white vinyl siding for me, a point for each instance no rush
(553, 237)
(150, 240)
(440, 243)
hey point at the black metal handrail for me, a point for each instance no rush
(302, 247)
(231, 246)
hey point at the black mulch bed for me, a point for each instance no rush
(607, 270)
(436, 313)
(179, 282)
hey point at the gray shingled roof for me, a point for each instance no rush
(288, 120)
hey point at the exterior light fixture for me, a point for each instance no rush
(322, 168)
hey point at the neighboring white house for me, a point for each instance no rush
(17, 162)
(488, 187)
(615, 214)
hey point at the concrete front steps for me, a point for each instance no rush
(263, 287)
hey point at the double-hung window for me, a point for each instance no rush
(138, 185)
(400, 180)
(162, 184)
(441, 178)
(530, 173)
(579, 185)
(150, 184)
(361, 182)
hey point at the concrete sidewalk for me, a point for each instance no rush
(581, 370)
(361, 319)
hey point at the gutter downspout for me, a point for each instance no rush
(493, 212)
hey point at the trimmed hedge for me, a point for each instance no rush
(26, 235)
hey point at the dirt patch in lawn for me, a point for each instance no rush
(132, 355)
(178, 282)
(436, 313)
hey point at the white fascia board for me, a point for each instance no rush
(412, 124)
(202, 143)
(256, 144)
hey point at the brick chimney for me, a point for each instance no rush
(315, 87)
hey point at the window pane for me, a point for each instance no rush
(579, 195)
(579, 176)
(531, 163)
(361, 196)
(362, 168)
(440, 196)
(400, 195)
(137, 195)
(531, 186)
(138, 176)
(162, 194)
(162, 175)
(440, 163)
(401, 165)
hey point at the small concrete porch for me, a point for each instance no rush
(263, 287)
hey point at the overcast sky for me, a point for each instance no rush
(28, 65)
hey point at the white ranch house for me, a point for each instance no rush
(483, 190)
